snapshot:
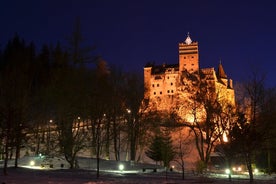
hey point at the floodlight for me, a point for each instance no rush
(227, 171)
(121, 167)
(32, 163)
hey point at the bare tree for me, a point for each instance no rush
(98, 103)
(268, 118)
(15, 95)
(246, 130)
(66, 95)
(133, 98)
(182, 149)
(252, 132)
(203, 112)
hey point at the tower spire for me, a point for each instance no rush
(221, 72)
(188, 40)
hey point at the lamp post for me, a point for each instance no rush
(49, 135)
(128, 119)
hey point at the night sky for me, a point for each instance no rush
(130, 33)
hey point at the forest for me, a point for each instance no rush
(68, 90)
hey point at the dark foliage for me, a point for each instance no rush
(161, 149)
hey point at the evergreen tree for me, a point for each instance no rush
(161, 149)
(16, 91)
(168, 150)
(154, 152)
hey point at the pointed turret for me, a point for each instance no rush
(222, 77)
(221, 73)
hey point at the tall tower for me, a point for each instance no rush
(188, 55)
(147, 81)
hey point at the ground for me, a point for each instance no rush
(110, 174)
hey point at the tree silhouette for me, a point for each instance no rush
(155, 149)
(161, 149)
(16, 90)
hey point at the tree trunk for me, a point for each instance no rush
(17, 155)
(133, 139)
(249, 167)
(98, 137)
(229, 161)
(269, 161)
(183, 172)
(116, 142)
(37, 148)
(94, 137)
(7, 145)
(132, 147)
(6, 157)
(107, 144)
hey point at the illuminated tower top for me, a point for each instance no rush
(188, 55)
(188, 40)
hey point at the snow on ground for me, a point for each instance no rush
(110, 174)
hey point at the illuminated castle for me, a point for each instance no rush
(164, 84)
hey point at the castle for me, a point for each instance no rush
(164, 84)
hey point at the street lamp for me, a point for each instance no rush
(128, 111)
(121, 167)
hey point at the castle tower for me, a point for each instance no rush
(147, 81)
(188, 56)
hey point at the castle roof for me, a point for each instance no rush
(208, 73)
(221, 73)
(160, 69)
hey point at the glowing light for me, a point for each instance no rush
(256, 171)
(224, 137)
(236, 169)
(189, 118)
(128, 111)
(121, 167)
(32, 163)
(227, 171)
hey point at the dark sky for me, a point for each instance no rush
(129, 33)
